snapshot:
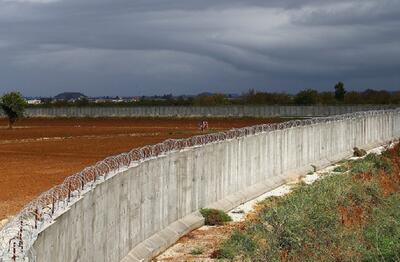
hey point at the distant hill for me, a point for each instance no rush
(69, 96)
(206, 94)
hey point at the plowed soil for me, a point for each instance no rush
(40, 153)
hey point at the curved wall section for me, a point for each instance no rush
(134, 213)
(202, 111)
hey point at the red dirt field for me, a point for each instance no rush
(39, 153)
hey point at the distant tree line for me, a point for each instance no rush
(339, 96)
(312, 97)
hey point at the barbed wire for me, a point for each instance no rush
(18, 235)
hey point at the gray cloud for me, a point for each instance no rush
(120, 47)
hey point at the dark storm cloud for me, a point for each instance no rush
(185, 46)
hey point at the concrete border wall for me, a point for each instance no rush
(139, 212)
(192, 111)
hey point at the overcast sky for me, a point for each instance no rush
(144, 47)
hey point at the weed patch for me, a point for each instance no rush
(197, 251)
(214, 217)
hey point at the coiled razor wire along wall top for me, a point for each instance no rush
(19, 234)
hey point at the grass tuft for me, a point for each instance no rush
(214, 217)
(197, 251)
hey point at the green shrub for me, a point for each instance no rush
(379, 162)
(370, 163)
(214, 217)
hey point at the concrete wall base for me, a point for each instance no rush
(159, 242)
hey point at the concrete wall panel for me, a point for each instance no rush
(191, 111)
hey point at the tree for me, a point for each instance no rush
(13, 105)
(339, 91)
(327, 98)
(210, 100)
(306, 97)
(376, 96)
(354, 98)
(254, 97)
(83, 101)
(395, 97)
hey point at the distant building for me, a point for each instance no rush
(135, 99)
(100, 100)
(34, 101)
(117, 99)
